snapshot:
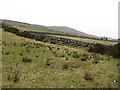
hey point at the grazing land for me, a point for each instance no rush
(28, 63)
(88, 40)
(37, 30)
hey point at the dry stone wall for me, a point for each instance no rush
(92, 47)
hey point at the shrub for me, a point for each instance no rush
(21, 54)
(27, 60)
(7, 53)
(88, 76)
(58, 48)
(65, 66)
(16, 76)
(13, 74)
(37, 56)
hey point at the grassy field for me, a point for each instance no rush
(37, 30)
(87, 40)
(28, 63)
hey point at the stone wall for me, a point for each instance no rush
(92, 47)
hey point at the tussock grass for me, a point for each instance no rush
(88, 76)
(54, 66)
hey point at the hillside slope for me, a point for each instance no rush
(62, 29)
(70, 31)
(34, 64)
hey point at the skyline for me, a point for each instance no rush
(96, 17)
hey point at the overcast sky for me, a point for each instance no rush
(97, 17)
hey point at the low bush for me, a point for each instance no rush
(21, 54)
(37, 56)
(13, 74)
(88, 76)
(65, 66)
(58, 48)
(7, 53)
(27, 60)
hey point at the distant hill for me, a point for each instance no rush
(62, 29)
(70, 31)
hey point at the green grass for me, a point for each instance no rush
(53, 66)
(87, 40)
(37, 30)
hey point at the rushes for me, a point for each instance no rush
(88, 76)
(27, 60)
(65, 66)
(13, 74)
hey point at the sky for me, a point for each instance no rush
(96, 17)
